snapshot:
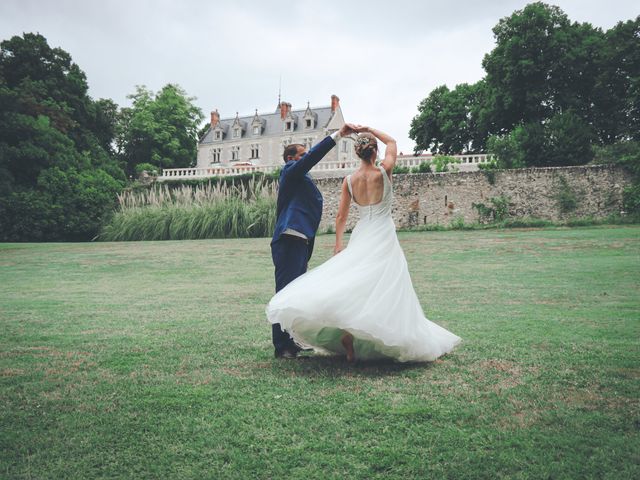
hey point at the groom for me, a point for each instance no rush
(299, 208)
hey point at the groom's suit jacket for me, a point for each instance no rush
(299, 204)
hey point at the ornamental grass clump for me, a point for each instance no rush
(188, 213)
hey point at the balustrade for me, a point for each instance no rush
(324, 166)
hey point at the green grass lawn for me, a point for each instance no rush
(153, 360)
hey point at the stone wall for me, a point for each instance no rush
(439, 198)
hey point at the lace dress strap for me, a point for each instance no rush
(349, 185)
(385, 180)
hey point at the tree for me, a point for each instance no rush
(523, 146)
(58, 178)
(542, 65)
(616, 102)
(553, 90)
(160, 130)
(447, 121)
(567, 141)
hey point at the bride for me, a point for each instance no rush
(361, 302)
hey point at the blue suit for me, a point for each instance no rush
(299, 207)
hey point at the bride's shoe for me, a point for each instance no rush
(347, 343)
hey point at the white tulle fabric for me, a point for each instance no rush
(365, 290)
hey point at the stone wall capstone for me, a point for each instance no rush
(440, 198)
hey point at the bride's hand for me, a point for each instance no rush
(347, 129)
(361, 128)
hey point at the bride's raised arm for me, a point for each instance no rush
(342, 215)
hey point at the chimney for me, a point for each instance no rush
(285, 108)
(335, 103)
(215, 119)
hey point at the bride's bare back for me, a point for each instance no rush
(367, 186)
(366, 183)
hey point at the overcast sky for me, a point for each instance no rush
(380, 57)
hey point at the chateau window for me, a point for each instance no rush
(345, 146)
(256, 130)
(235, 153)
(308, 142)
(236, 133)
(255, 151)
(218, 135)
(287, 126)
(215, 155)
(309, 119)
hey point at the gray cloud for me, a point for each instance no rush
(381, 58)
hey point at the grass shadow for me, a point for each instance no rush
(330, 366)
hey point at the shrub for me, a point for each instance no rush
(631, 199)
(497, 213)
(489, 170)
(565, 197)
(147, 167)
(627, 154)
(424, 167)
(445, 163)
(485, 214)
(397, 169)
(501, 207)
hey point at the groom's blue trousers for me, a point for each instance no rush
(290, 256)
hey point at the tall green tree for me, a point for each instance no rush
(553, 90)
(616, 102)
(160, 129)
(449, 120)
(543, 64)
(563, 140)
(57, 176)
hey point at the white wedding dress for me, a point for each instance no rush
(365, 290)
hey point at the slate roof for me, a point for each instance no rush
(272, 124)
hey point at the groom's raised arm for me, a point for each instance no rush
(313, 156)
(317, 152)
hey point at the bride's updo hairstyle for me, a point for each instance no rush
(366, 146)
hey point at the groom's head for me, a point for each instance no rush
(293, 152)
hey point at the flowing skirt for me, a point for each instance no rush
(365, 290)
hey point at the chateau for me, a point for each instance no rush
(259, 140)
(250, 144)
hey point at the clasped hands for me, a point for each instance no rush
(350, 128)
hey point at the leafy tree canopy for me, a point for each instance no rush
(57, 175)
(159, 129)
(553, 89)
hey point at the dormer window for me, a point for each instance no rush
(310, 119)
(238, 127)
(218, 135)
(288, 126)
(257, 124)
